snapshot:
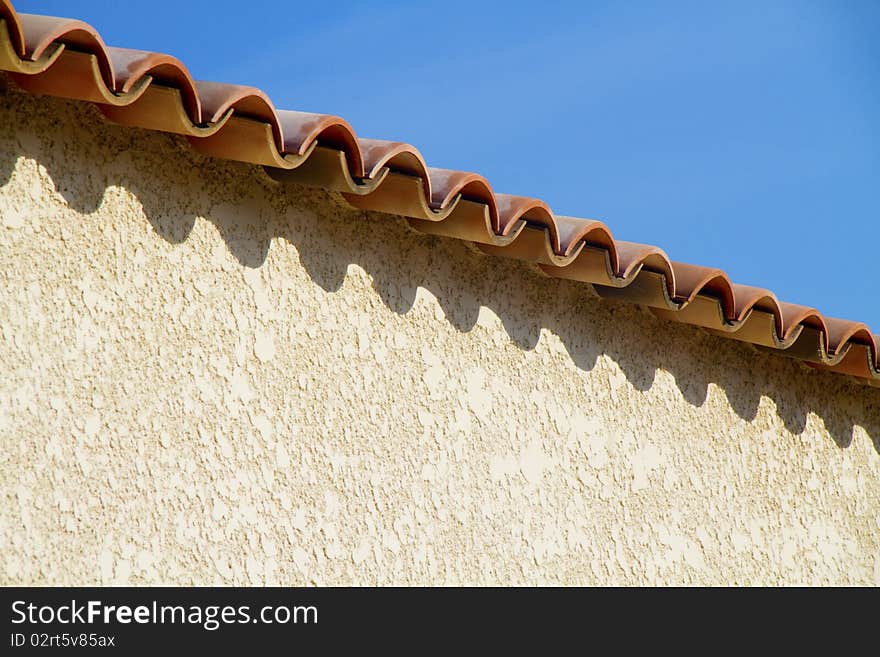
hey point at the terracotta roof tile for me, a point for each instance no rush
(68, 58)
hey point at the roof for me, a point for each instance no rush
(68, 58)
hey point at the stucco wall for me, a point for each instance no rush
(212, 378)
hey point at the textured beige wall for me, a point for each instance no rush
(211, 378)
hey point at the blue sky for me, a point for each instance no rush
(739, 135)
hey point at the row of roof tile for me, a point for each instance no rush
(68, 58)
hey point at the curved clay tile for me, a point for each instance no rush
(13, 28)
(40, 32)
(397, 155)
(218, 98)
(576, 233)
(841, 332)
(632, 257)
(514, 209)
(793, 315)
(130, 66)
(300, 131)
(447, 184)
(691, 280)
(747, 297)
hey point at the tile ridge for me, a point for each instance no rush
(69, 59)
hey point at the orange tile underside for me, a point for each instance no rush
(68, 58)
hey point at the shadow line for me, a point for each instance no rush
(72, 141)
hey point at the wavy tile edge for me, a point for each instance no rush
(68, 58)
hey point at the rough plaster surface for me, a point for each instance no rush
(209, 378)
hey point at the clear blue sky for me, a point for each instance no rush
(743, 135)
